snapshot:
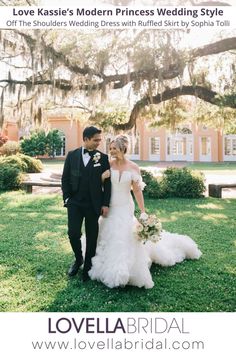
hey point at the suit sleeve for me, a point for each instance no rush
(65, 180)
(107, 184)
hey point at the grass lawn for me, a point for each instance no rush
(219, 168)
(51, 164)
(35, 255)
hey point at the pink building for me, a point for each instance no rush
(190, 142)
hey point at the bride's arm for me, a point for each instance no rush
(138, 194)
(137, 186)
(105, 175)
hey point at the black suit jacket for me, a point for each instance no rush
(100, 193)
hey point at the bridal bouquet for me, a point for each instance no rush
(149, 228)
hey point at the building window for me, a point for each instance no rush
(190, 147)
(205, 146)
(233, 146)
(168, 146)
(179, 146)
(155, 146)
(62, 150)
(230, 146)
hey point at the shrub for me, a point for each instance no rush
(24, 163)
(183, 183)
(10, 148)
(153, 187)
(175, 182)
(14, 160)
(10, 177)
(33, 165)
(3, 139)
(146, 176)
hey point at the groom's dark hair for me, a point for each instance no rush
(89, 132)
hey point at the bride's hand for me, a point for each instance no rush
(106, 174)
(144, 215)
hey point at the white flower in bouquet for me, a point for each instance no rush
(152, 219)
(139, 227)
(155, 238)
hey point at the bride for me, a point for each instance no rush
(120, 258)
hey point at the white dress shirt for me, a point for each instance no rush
(86, 157)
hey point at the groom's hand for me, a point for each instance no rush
(104, 211)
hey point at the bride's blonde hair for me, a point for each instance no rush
(121, 142)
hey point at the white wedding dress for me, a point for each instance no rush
(120, 258)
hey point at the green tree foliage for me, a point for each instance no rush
(41, 143)
(53, 142)
(35, 145)
(107, 117)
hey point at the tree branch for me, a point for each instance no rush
(62, 58)
(221, 46)
(121, 80)
(61, 84)
(66, 107)
(197, 91)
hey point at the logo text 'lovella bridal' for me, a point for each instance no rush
(116, 325)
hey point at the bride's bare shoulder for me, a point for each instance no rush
(111, 163)
(134, 167)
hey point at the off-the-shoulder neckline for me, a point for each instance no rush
(131, 171)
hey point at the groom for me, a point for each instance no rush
(85, 196)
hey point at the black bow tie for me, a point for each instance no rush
(90, 152)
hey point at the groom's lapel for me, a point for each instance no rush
(78, 158)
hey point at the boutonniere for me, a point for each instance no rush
(96, 157)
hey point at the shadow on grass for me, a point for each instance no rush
(35, 255)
